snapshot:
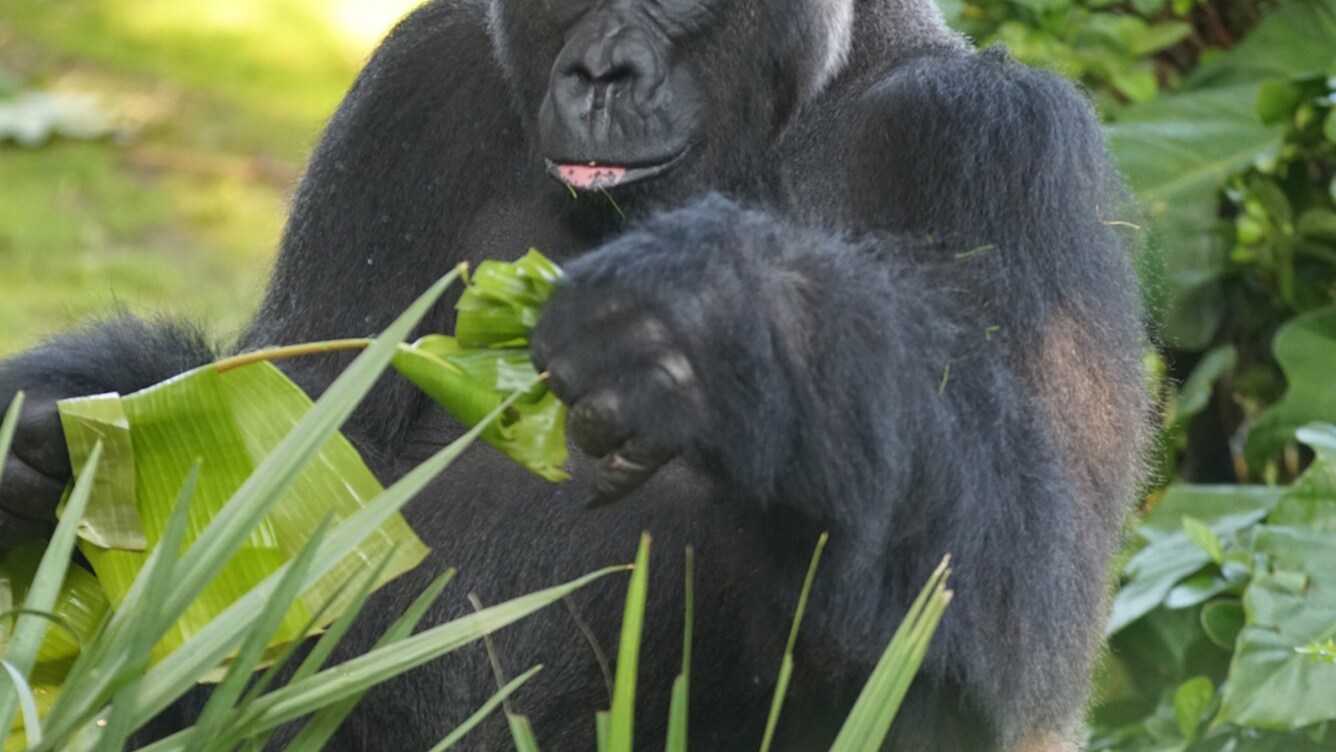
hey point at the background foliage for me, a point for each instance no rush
(1221, 113)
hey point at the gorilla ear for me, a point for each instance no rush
(833, 31)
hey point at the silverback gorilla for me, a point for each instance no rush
(828, 269)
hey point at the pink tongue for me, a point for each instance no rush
(589, 177)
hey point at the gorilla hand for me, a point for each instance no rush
(35, 472)
(630, 385)
(124, 355)
(668, 342)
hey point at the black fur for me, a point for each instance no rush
(882, 302)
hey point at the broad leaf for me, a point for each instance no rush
(232, 419)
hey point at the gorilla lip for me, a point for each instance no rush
(596, 176)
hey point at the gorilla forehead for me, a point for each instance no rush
(814, 35)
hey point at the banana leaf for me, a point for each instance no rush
(231, 419)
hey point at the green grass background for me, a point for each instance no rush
(226, 99)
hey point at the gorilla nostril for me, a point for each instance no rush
(607, 75)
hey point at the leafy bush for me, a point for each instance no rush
(1221, 636)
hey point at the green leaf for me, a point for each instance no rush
(621, 717)
(1200, 534)
(1176, 152)
(235, 419)
(786, 663)
(1305, 347)
(1196, 590)
(1293, 40)
(358, 674)
(1287, 606)
(1156, 37)
(1310, 501)
(258, 635)
(1222, 621)
(870, 719)
(1318, 224)
(483, 712)
(1276, 101)
(531, 431)
(112, 518)
(522, 733)
(1195, 393)
(320, 728)
(500, 306)
(1170, 556)
(678, 705)
(1192, 701)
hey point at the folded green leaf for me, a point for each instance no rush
(232, 419)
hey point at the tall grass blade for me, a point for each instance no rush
(786, 665)
(144, 621)
(29, 630)
(678, 706)
(32, 723)
(602, 722)
(481, 713)
(522, 733)
(7, 428)
(870, 720)
(322, 726)
(258, 632)
(360, 673)
(621, 718)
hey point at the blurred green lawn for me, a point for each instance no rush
(184, 217)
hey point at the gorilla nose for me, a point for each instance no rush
(610, 68)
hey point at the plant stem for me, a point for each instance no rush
(271, 354)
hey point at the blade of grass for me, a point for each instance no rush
(483, 712)
(8, 427)
(266, 680)
(319, 652)
(29, 630)
(522, 733)
(258, 633)
(870, 720)
(360, 673)
(322, 726)
(144, 622)
(677, 708)
(621, 718)
(32, 723)
(786, 665)
(602, 721)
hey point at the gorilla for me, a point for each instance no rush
(827, 269)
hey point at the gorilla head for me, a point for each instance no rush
(623, 97)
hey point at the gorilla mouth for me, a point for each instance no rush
(599, 176)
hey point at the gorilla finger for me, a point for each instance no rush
(627, 469)
(16, 530)
(593, 424)
(40, 440)
(26, 492)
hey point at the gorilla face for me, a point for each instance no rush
(645, 93)
(623, 102)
